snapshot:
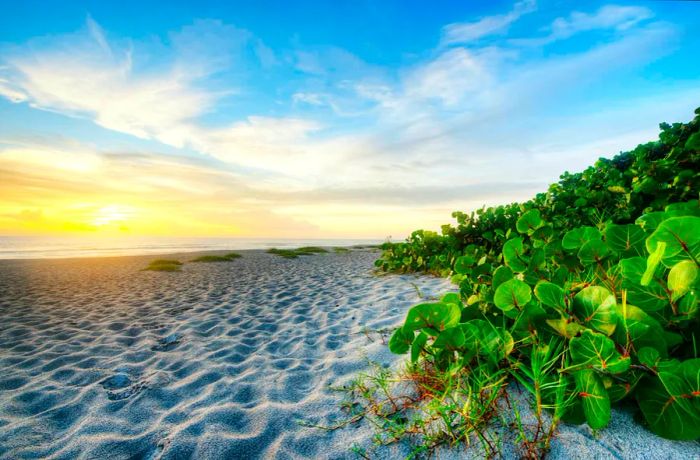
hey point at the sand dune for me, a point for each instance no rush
(101, 360)
(222, 360)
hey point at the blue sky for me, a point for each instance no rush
(321, 118)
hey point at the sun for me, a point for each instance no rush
(112, 214)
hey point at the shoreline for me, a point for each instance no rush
(179, 254)
(81, 249)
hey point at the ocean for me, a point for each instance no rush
(43, 247)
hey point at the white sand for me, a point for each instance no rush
(101, 360)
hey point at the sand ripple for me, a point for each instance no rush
(101, 360)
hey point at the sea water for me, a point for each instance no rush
(42, 247)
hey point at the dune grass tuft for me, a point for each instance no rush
(286, 253)
(339, 250)
(310, 250)
(294, 253)
(164, 265)
(225, 258)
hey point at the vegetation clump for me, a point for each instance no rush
(340, 250)
(294, 253)
(212, 258)
(616, 190)
(585, 296)
(164, 265)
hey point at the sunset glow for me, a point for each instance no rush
(235, 126)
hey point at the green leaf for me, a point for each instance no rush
(400, 341)
(512, 294)
(681, 278)
(649, 356)
(597, 352)
(593, 251)
(650, 221)
(418, 345)
(577, 237)
(501, 275)
(496, 343)
(651, 297)
(682, 238)
(513, 255)
(463, 264)
(529, 222)
(550, 295)
(595, 307)
(437, 316)
(450, 339)
(688, 306)
(641, 329)
(666, 406)
(624, 238)
(452, 297)
(565, 328)
(594, 397)
(652, 263)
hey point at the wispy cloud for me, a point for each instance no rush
(471, 121)
(608, 17)
(469, 32)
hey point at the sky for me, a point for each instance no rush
(320, 119)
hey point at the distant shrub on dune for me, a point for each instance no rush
(225, 258)
(294, 253)
(164, 265)
(310, 250)
(286, 253)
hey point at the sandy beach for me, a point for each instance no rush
(221, 360)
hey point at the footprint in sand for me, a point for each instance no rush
(119, 386)
(167, 343)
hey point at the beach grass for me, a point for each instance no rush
(294, 253)
(339, 250)
(211, 258)
(164, 265)
(310, 250)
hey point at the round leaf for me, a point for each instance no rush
(550, 295)
(529, 222)
(512, 294)
(577, 237)
(682, 238)
(435, 316)
(595, 306)
(400, 341)
(594, 397)
(513, 255)
(593, 251)
(682, 277)
(624, 238)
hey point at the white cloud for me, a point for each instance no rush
(83, 76)
(308, 98)
(446, 131)
(468, 32)
(608, 17)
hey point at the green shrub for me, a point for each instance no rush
(614, 190)
(585, 295)
(164, 265)
(294, 253)
(620, 304)
(311, 250)
(286, 253)
(225, 258)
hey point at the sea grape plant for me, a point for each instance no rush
(642, 181)
(619, 300)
